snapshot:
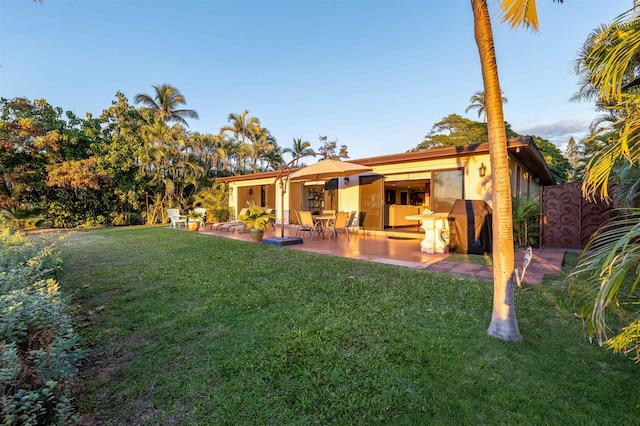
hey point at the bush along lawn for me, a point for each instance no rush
(197, 329)
(38, 346)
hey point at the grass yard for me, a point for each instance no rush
(194, 329)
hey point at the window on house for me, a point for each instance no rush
(446, 189)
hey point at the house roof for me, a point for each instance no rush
(522, 149)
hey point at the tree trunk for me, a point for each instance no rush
(504, 324)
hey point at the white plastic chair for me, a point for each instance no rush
(202, 212)
(176, 218)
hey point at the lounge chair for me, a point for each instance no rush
(176, 218)
(231, 224)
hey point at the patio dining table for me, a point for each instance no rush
(323, 219)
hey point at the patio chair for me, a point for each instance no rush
(202, 212)
(307, 224)
(339, 224)
(357, 223)
(176, 218)
(230, 224)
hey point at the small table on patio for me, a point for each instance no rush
(323, 219)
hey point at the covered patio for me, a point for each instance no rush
(403, 249)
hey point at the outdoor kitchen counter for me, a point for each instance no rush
(435, 231)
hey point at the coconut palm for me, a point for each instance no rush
(504, 324)
(164, 103)
(263, 145)
(478, 102)
(610, 66)
(299, 149)
(241, 126)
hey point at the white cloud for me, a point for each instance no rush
(558, 132)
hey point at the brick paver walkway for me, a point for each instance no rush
(406, 252)
(543, 262)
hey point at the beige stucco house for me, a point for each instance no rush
(399, 184)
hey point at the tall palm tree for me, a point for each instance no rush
(504, 324)
(241, 126)
(299, 149)
(164, 103)
(478, 102)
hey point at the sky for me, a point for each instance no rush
(374, 74)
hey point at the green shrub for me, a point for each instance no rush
(526, 215)
(38, 347)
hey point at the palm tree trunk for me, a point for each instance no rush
(504, 324)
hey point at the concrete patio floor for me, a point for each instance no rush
(404, 250)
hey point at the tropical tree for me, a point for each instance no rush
(504, 324)
(573, 155)
(164, 104)
(478, 102)
(608, 67)
(265, 151)
(299, 149)
(243, 128)
(328, 149)
(455, 130)
(117, 147)
(171, 173)
(558, 164)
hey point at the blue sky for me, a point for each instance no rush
(374, 74)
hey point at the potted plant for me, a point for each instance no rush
(193, 220)
(257, 220)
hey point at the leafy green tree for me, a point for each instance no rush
(557, 162)
(328, 149)
(164, 104)
(117, 149)
(478, 103)
(455, 130)
(46, 165)
(30, 139)
(573, 155)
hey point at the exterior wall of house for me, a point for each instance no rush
(240, 193)
(475, 187)
(523, 184)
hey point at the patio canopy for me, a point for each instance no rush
(328, 169)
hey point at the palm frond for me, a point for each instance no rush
(610, 261)
(519, 12)
(613, 52)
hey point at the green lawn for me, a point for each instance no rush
(194, 329)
